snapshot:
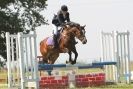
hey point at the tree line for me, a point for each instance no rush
(20, 16)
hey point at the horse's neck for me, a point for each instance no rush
(67, 36)
(68, 33)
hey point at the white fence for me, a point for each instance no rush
(21, 49)
(115, 47)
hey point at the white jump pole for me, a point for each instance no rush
(8, 59)
(123, 55)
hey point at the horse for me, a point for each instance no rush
(65, 43)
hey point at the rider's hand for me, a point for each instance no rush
(63, 24)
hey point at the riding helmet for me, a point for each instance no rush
(64, 8)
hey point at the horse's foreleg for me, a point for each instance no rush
(76, 55)
(70, 57)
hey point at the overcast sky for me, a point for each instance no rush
(98, 15)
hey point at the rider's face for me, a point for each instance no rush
(64, 12)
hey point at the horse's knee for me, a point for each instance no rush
(77, 54)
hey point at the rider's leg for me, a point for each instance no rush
(55, 41)
(55, 31)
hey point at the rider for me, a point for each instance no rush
(59, 20)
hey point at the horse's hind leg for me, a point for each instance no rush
(45, 60)
(53, 58)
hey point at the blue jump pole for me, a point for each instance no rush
(85, 66)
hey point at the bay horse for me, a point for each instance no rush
(65, 43)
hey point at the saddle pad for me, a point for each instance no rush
(50, 41)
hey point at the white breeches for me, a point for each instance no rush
(55, 29)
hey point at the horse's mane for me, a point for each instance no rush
(73, 24)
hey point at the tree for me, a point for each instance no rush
(19, 16)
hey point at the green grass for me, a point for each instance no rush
(118, 86)
(3, 86)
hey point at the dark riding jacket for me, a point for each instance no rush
(59, 19)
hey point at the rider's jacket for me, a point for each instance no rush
(59, 19)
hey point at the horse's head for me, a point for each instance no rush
(79, 32)
(82, 36)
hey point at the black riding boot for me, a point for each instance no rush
(55, 41)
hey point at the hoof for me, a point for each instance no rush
(73, 62)
(68, 62)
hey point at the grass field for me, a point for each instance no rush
(3, 85)
(118, 86)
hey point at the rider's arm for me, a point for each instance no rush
(60, 18)
(67, 17)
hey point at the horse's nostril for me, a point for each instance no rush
(84, 42)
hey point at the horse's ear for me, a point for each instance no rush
(84, 26)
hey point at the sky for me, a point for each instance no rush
(97, 15)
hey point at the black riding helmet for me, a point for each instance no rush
(64, 8)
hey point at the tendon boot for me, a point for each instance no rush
(75, 42)
(55, 41)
